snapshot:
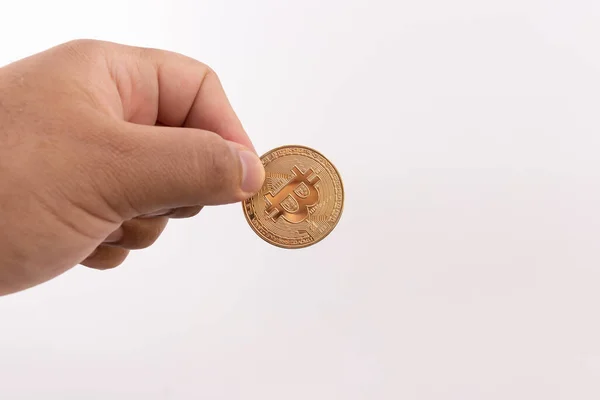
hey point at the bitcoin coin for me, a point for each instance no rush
(301, 200)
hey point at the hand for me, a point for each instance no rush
(99, 145)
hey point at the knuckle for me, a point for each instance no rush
(208, 71)
(142, 233)
(209, 74)
(81, 43)
(84, 48)
(143, 240)
(106, 258)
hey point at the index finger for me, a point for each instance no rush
(182, 92)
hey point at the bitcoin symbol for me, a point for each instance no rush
(293, 200)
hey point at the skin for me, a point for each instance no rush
(100, 144)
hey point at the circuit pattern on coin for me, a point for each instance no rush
(301, 200)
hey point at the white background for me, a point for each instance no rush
(465, 266)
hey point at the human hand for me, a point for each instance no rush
(100, 144)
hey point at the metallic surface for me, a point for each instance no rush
(301, 200)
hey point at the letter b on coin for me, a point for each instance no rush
(292, 201)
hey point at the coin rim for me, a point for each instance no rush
(334, 225)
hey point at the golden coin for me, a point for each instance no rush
(301, 200)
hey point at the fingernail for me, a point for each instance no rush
(115, 236)
(253, 172)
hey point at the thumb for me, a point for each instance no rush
(165, 168)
